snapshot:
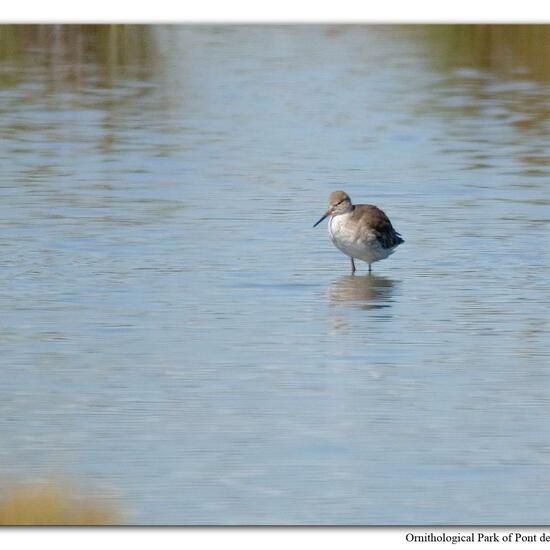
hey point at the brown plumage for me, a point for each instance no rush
(371, 217)
(360, 231)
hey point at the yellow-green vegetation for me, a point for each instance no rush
(53, 505)
(105, 43)
(68, 51)
(495, 48)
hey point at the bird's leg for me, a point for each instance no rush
(352, 266)
(370, 268)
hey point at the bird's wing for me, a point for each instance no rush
(379, 224)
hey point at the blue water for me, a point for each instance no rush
(175, 334)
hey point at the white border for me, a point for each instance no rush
(256, 538)
(251, 11)
(246, 11)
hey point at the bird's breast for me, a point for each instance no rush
(344, 234)
(355, 240)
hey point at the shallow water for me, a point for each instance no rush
(174, 331)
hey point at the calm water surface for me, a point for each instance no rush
(174, 331)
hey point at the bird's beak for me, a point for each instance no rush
(327, 213)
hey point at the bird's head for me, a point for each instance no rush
(338, 203)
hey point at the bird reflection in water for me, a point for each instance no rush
(366, 292)
(369, 292)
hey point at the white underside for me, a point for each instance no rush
(355, 244)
